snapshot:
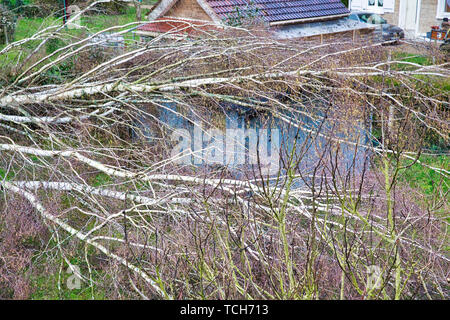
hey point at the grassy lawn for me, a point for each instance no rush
(26, 27)
(99, 22)
(426, 179)
(55, 286)
(420, 59)
(414, 58)
(11, 61)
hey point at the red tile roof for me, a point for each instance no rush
(271, 11)
(279, 10)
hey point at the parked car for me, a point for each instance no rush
(388, 31)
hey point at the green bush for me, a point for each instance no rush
(24, 8)
(54, 44)
(33, 8)
(50, 4)
(246, 16)
(114, 7)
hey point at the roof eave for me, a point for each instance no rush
(277, 23)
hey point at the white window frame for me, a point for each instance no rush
(375, 9)
(440, 10)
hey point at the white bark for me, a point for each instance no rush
(37, 205)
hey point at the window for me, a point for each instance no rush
(377, 6)
(378, 3)
(443, 9)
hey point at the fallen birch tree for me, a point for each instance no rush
(90, 159)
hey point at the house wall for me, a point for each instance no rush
(188, 9)
(428, 11)
(427, 14)
(392, 17)
(427, 18)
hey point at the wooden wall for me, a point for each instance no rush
(188, 9)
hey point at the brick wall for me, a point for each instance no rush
(188, 9)
(428, 12)
(392, 17)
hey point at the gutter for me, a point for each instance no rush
(276, 23)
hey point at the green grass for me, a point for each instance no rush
(422, 60)
(26, 27)
(439, 84)
(444, 84)
(101, 179)
(414, 58)
(46, 288)
(99, 22)
(426, 179)
(8, 175)
(45, 284)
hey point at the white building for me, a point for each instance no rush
(415, 16)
